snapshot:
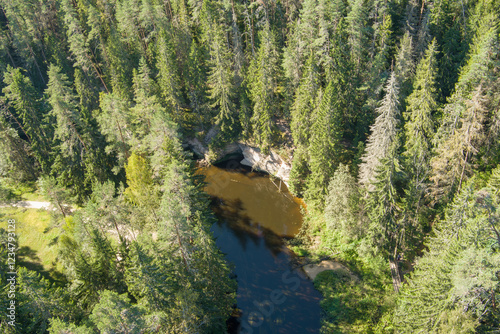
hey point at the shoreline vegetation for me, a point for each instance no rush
(386, 111)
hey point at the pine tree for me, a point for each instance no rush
(373, 81)
(38, 301)
(28, 23)
(78, 43)
(421, 105)
(447, 26)
(300, 45)
(149, 276)
(140, 190)
(119, 64)
(404, 66)
(69, 133)
(16, 159)
(292, 57)
(57, 195)
(58, 326)
(147, 111)
(359, 34)
(196, 82)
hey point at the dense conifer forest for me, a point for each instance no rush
(387, 111)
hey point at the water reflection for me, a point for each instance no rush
(253, 217)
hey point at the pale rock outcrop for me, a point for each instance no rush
(271, 163)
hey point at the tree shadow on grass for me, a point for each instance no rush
(28, 258)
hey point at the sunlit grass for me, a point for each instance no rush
(21, 191)
(36, 238)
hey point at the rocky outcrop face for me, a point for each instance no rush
(272, 163)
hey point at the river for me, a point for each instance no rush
(254, 214)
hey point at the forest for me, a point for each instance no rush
(387, 111)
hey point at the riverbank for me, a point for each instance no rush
(272, 163)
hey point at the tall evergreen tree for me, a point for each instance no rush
(27, 113)
(342, 204)
(263, 84)
(359, 34)
(384, 206)
(168, 79)
(462, 126)
(220, 82)
(419, 131)
(114, 122)
(384, 132)
(304, 103)
(324, 147)
(196, 82)
(78, 43)
(64, 109)
(455, 283)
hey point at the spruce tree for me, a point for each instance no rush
(421, 105)
(196, 82)
(384, 205)
(359, 34)
(115, 313)
(64, 109)
(168, 79)
(27, 112)
(419, 131)
(342, 204)
(114, 123)
(304, 103)
(220, 83)
(324, 146)
(384, 132)
(462, 129)
(455, 282)
(78, 43)
(263, 83)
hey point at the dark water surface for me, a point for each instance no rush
(254, 216)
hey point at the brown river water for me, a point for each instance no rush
(255, 213)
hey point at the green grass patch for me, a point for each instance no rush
(349, 305)
(14, 191)
(37, 240)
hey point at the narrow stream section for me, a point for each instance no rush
(254, 216)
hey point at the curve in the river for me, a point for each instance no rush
(253, 217)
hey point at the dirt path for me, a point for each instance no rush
(29, 205)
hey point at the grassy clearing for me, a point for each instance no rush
(14, 192)
(37, 240)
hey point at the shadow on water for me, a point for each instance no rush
(231, 213)
(254, 217)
